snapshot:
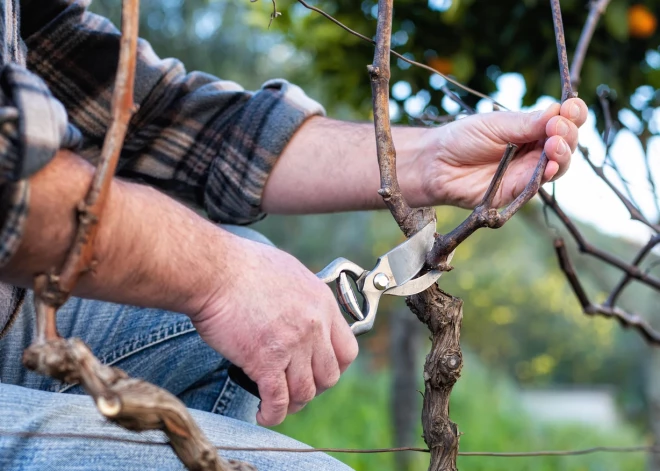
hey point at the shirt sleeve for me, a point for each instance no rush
(33, 127)
(200, 138)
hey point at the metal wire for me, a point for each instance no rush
(511, 454)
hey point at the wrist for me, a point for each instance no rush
(417, 156)
(154, 252)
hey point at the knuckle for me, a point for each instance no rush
(279, 404)
(274, 390)
(304, 393)
(331, 380)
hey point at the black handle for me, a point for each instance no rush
(239, 377)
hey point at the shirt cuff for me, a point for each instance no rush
(265, 126)
(13, 214)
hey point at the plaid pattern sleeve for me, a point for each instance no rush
(203, 139)
(33, 126)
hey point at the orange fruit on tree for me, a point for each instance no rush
(441, 64)
(641, 22)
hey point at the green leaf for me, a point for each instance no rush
(616, 20)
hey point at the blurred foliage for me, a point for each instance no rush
(476, 42)
(354, 414)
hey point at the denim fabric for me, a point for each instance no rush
(158, 346)
(25, 410)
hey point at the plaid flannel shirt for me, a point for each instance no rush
(203, 139)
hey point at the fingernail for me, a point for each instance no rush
(561, 147)
(562, 128)
(574, 112)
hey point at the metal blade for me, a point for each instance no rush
(408, 258)
(418, 284)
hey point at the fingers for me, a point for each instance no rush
(575, 110)
(562, 132)
(274, 394)
(559, 157)
(302, 387)
(325, 366)
(344, 344)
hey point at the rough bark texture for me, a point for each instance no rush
(443, 315)
(439, 311)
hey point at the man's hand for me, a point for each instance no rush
(255, 304)
(461, 157)
(280, 323)
(331, 165)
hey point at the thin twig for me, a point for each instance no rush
(635, 214)
(644, 140)
(626, 319)
(585, 247)
(596, 10)
(400, 56)
(379, 73)
(456, 99)
(274, 14)
(641, 255)
(608, 137)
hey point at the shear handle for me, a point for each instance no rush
(336, 267)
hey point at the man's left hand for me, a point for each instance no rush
(461, 158)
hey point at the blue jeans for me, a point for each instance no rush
(158, 346)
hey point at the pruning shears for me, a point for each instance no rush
(400, 272)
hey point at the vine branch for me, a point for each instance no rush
(484, 215)
(133, 404)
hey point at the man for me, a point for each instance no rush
(236, 154)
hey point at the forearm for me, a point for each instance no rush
(331, 166)
(150, 250)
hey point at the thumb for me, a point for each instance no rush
(520, 127)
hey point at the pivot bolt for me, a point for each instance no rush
(381, 281)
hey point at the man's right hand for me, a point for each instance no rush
(278, 322)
